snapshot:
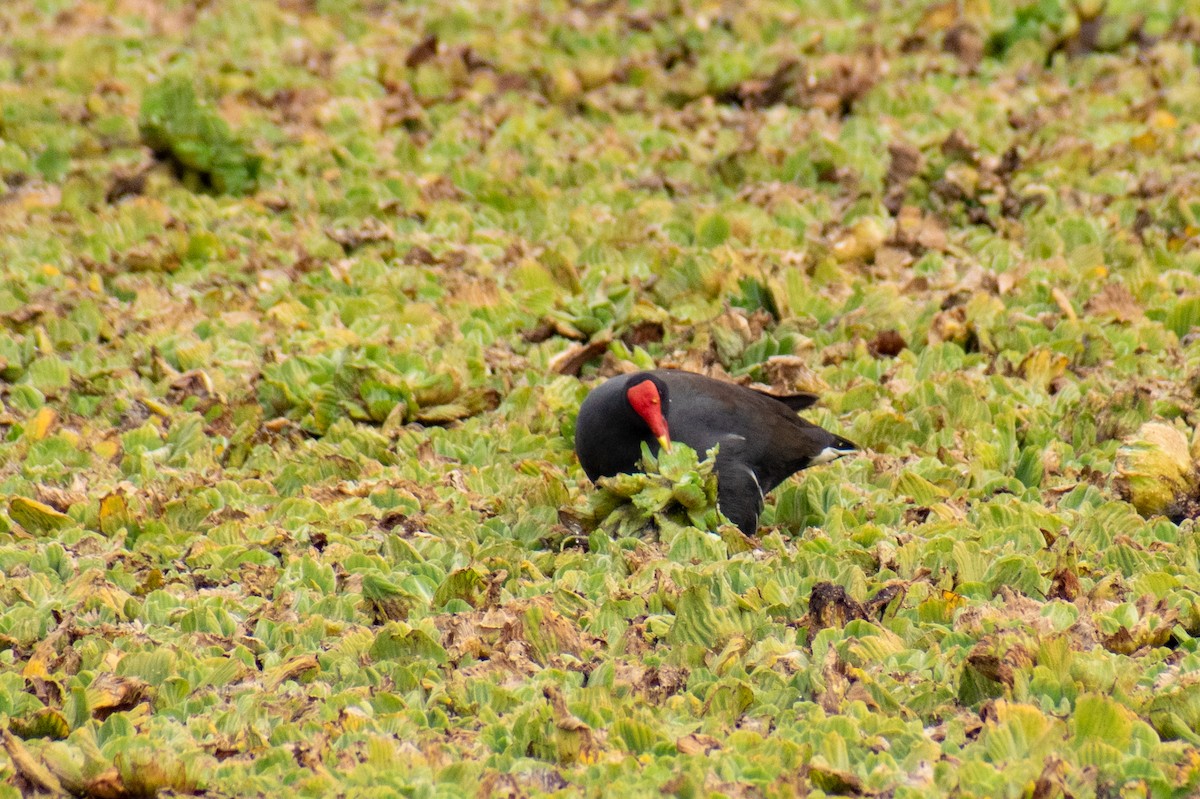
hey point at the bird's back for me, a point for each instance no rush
(753, 428)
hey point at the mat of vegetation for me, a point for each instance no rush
(298, 301)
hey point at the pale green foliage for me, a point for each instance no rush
(673, 488)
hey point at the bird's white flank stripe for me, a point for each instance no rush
(754, 477)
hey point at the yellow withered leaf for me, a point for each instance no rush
(1041, 367)
(35, 667)
(1064, 303)
(1155, 470)
(106, 449)
(861, 241)
(44, 723)
(28, 765)
(114, 512)
(37, 517)
(1163, 120)
(156, 407)
(952, 599)
(941, 16)
(42, 421)
(292, 669)
(110, 693)
(1145, 142)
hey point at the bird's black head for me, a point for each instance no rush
(647, 396)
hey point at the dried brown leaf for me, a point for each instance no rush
(966, 44)
(697, 744)
(887, 344)
(422, 51)
(571, 360)
(1115, 301)
(830, 606)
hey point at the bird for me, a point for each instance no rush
(762, 440)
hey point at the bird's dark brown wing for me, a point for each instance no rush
(752, 428)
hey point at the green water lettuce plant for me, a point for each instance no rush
(179, 128)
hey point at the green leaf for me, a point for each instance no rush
(1183, 316)
(462, 584)
(1099, 718)
(174, 122)
(634, 736)
(712, 231)
(48, 375)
